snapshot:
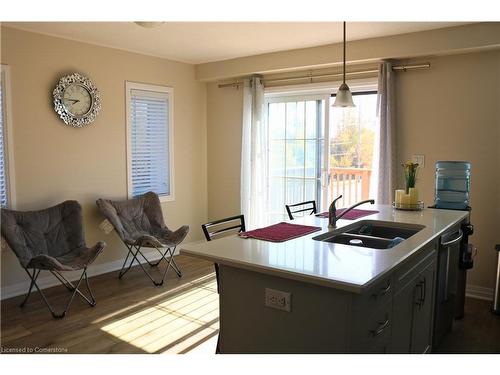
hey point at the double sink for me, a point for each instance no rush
(374, 234)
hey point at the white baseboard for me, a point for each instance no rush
(48, 280)
(479, 292)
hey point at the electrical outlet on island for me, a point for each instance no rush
(278, 299)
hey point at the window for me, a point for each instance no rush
(318, 152)
(351, 148)
(150, 140)
(6, 152)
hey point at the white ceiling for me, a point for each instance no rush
(201, 42)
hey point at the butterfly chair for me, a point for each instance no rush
(51, 239)
(139, 223)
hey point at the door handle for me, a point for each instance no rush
(325, 179)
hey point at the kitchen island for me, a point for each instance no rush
(306, 295)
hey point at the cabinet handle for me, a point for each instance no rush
(383, 291)
(454, 241)
(424, 287)
(381, 328)
(420, 300)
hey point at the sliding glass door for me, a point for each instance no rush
(296, 151)
(317, 152)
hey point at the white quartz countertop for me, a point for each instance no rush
(334, 265)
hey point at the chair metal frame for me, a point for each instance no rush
(66, 283)
(209, 235)
(313, 209)
(170, 251)
(144, 238)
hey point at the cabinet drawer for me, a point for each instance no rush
(412, 267)
(374, 297)
(373, 333)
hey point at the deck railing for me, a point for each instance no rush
(352, 183)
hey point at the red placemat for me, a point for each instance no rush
(351, 215)
(279, 232)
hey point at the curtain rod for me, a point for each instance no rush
(396, 68)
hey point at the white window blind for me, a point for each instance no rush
(149, 141)
(3, 166)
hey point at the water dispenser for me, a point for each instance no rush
(452, 185)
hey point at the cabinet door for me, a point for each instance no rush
(423, 308)
(403, 311)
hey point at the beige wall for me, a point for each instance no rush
(54, 162)
(451, 112)
(224, 116)
(448, 112)
(451, 40)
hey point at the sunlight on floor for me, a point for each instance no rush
(177, 323)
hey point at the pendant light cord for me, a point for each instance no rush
(344, 55)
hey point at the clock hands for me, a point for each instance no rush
(73, 100)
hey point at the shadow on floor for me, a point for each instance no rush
(131, 316)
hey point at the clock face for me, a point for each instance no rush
(77, 100)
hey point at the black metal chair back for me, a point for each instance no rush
(229, 225)
(307, 206)
(233, 224)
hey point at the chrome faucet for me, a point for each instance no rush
(332, 211)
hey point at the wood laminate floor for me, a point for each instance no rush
(133, 316)
(478, 332)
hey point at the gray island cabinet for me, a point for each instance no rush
(310, 296)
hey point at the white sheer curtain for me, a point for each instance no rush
(254, 164)
(384, 159)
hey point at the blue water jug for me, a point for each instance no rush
(452, 184)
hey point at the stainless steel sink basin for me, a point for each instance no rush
(371, 234)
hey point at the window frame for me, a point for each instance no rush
(8, 137)
(129, 86)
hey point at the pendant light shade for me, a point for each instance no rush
(344, 95)
(147, 24)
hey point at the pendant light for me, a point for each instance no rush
(148, 24)
(344, 96)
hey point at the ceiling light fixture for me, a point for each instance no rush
(344, 96)
(147, 24)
